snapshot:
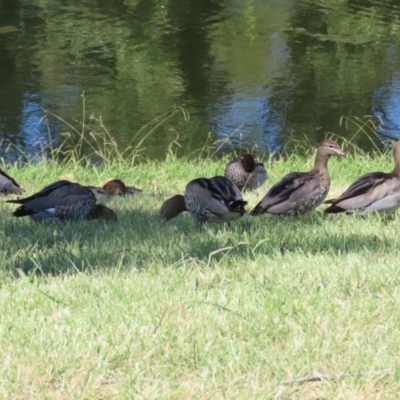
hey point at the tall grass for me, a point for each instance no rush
(272, 307)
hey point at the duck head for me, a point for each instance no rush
(172, 207)
(326, 149)
(329, 148)
(115, 187)
(8, 185)
(247, 162)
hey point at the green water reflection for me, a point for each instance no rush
(265, 74)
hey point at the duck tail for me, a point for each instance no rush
(132, 190)
(22, 212)
(238, 205)
(15, 201)
(258, 210)
(334, 209)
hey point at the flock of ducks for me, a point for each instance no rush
(219, 199)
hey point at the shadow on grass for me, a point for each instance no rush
(139, 241)
(78, 246)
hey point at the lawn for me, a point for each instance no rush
(269, 308)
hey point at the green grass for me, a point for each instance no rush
(139, 310)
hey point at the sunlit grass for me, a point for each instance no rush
(138, 310)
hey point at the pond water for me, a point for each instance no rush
(266, 75)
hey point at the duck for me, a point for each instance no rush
(59, 201)
(301, 192)
(101, 212)
(372, 192)
(172, 207)
(99, 193)
(246, 173)
(116, 187)
(214, 199)
(8, 185)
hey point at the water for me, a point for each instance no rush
(265, 75)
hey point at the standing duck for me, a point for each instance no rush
(301, 192)
(116, 187)
(207, 200)
(376, 191)
(246, 173)
(8, 185)
(60, 201)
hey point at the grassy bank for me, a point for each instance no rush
(139, 310)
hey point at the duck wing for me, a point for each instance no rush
(224, 190)
(290, 189)
(217, 196)
(375, 187)
(59, 193)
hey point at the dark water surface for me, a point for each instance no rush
(264, 73)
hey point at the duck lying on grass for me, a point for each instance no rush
(100, 211)
(375, 191)
(301, 192)
(207, 200)
(8, 185)
(246, 173)
(113, 188)
(116, 187)
(61, 201)
(99, 193)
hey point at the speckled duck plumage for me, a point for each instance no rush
(207, 200)
(372, 192)
(246, 173)
(8, 185)
(59, 201)
(301, 192)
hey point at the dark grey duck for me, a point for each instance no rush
(59, 201)
(207, 200)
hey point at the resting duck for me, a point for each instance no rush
(246, 173)
(8, 185)
(60, 201)
(116, 187)
(207, 200)
(376, 191)
(99, 211)
(99, 193)
(301, 192)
